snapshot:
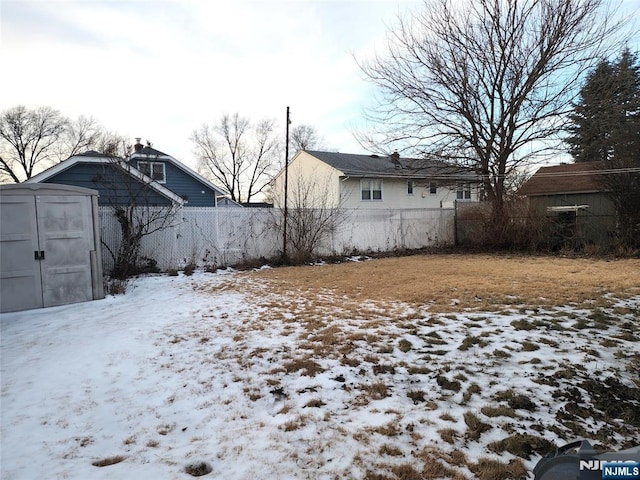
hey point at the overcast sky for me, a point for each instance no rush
(159, 69)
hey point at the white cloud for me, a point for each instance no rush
(160, 69)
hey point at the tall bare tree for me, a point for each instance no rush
(305, 137)
(237, 154)
(112, 144)
(28, 139)
(485, 83)
(80, 135)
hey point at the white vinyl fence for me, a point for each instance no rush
(224, 236)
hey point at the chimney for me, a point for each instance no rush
(395, 158)
(138, 146)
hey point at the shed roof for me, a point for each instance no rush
(565, 178)
(46, 189)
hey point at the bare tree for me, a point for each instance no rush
(140, 212)
(28, 139)
(315, 210)
(305, 137)
(113, 144)
(80, 135)
(238, 155)
(485, 83)
(265, 154)
(86, 133)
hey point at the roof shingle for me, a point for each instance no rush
(565, 178)
(381, 166)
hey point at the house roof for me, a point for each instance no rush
(91, 156)
(148, 150)
(92, 153)
(385, 166)
(566, 178)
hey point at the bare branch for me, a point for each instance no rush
(485, 83)
(27, 140)
(81, 135)
(305, 137)
(237, 155)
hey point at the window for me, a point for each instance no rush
(154, 170)
(371, 189)
(433, 188)
(409, 187)
(463, 192)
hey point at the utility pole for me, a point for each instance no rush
(286, 189)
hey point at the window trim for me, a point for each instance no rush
(370, 182)
(151, 164)
(463, 191)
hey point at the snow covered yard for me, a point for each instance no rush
(235, 374)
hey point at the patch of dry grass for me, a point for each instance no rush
(490, 469)
(105, 462)
(449, 435)
(389, 430)
(474, 281)
(501, 411)
(375, 391)
(522, 445)
(383, 318)
(475, 427)
(306, 366)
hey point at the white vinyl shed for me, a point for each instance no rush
(49, 246)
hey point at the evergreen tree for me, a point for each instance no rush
(604, 125)
(626, 145)
(591, 120)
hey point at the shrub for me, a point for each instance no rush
(189, 269)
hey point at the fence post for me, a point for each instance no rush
(455, 223)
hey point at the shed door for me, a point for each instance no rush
(20, 284)
(45, 253)
(65, 233)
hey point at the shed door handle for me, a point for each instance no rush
(38, 255)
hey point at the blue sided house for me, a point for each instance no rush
(147, 177)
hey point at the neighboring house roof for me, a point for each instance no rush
(96, 158)
(566, 178)
(392, 166)
(227, 202)
(149, 153)
(257, 204)
(93, 153)
(149, 150)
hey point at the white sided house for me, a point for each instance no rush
(330, 180)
